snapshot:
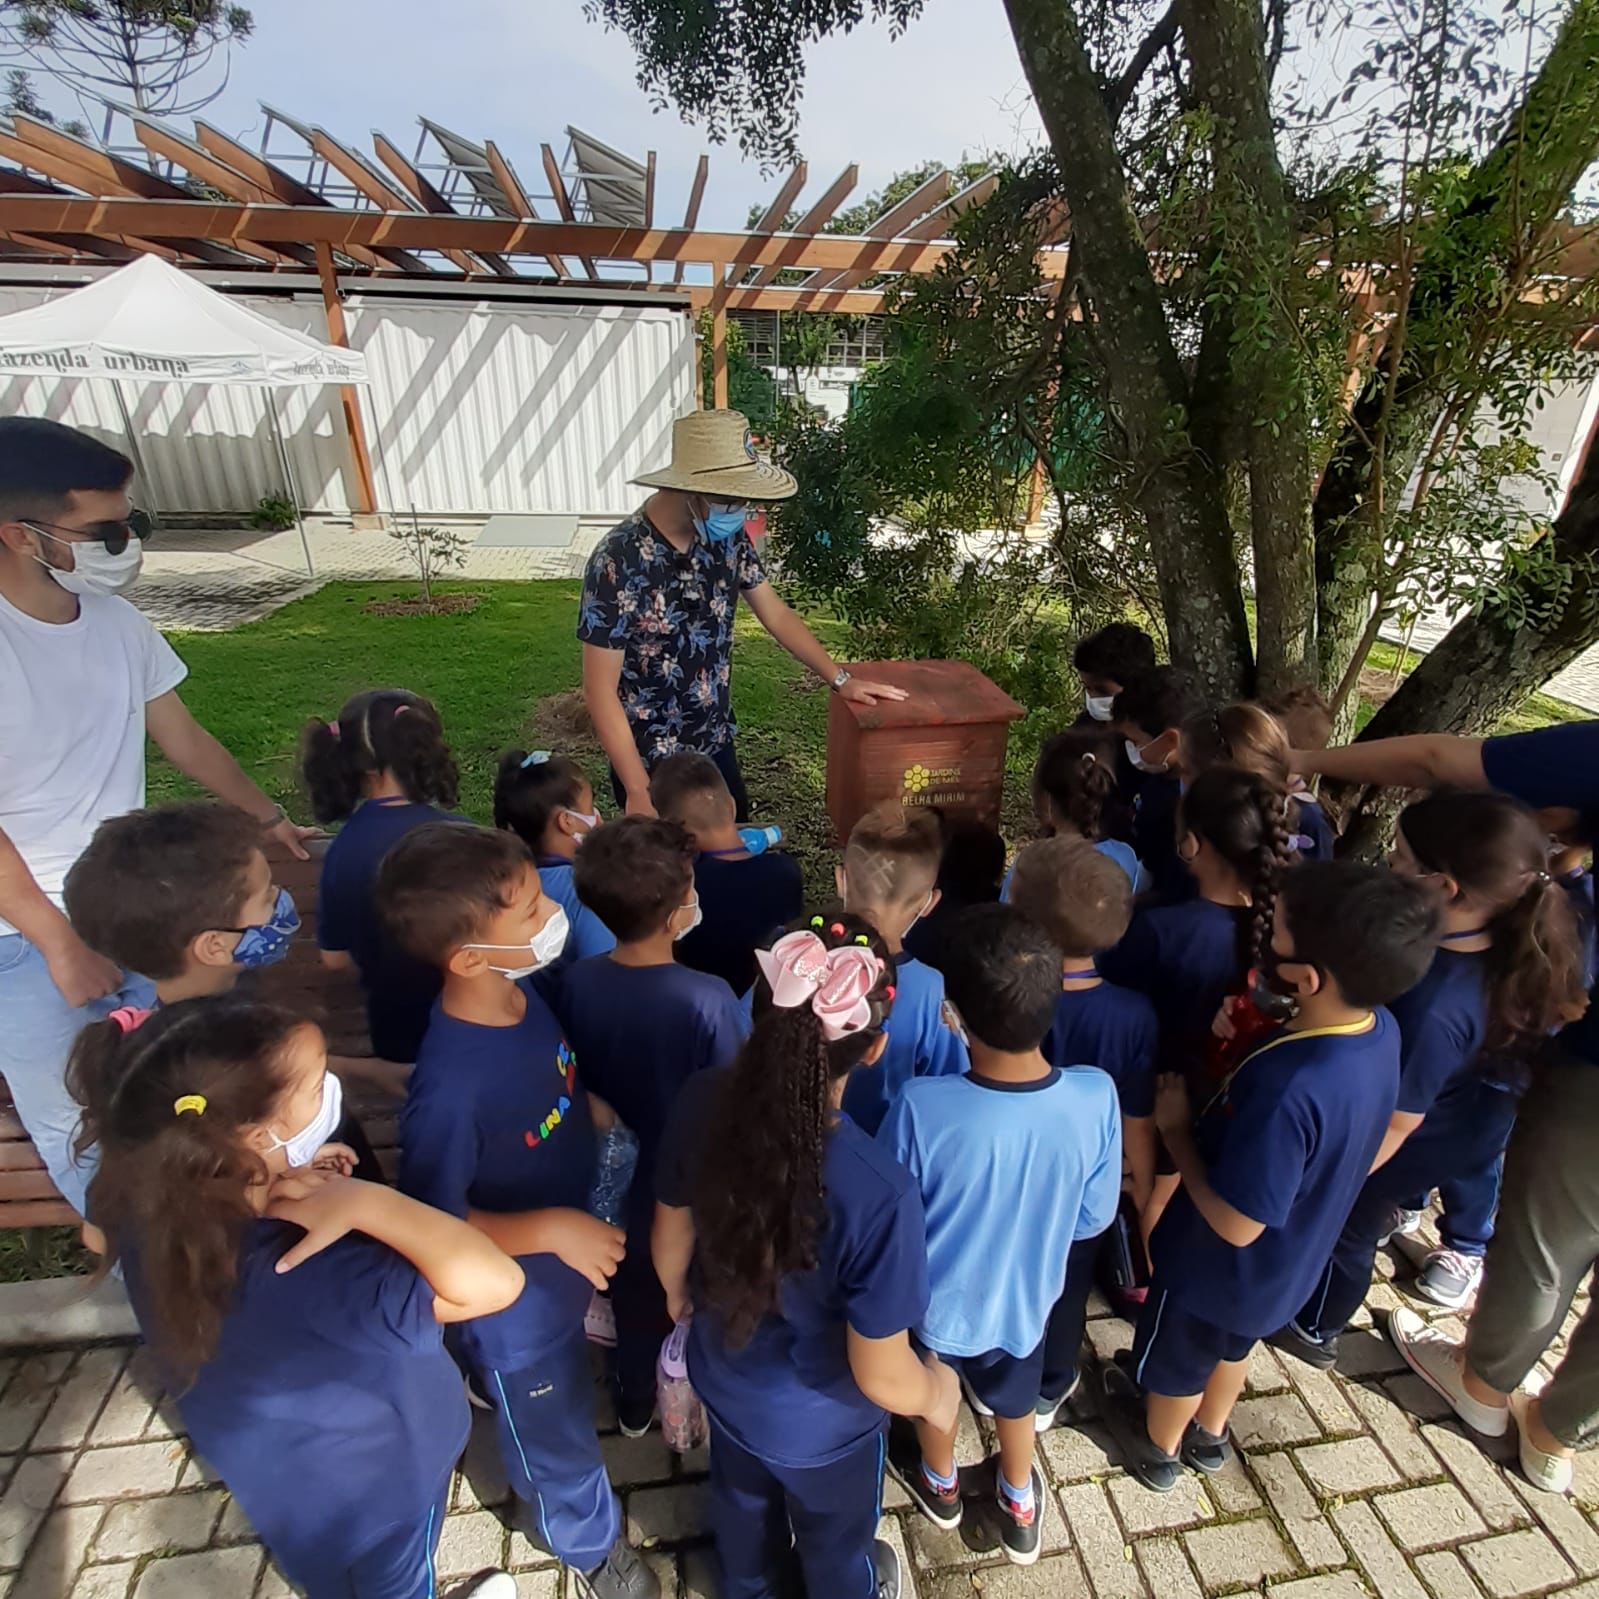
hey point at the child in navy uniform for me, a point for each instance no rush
(1272, 1165)
(382, 769)
(744, 899)
(497, 1129)
(1106, 662)
(1508, 971)
(1149, 713)
(295, 1313)
(642, 1026)
(549, 804)
(1016, 1161)
(1082, 899)
(799, 1244)
(889, 876)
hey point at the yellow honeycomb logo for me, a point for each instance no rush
(917, 778)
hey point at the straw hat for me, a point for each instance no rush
(714, 454)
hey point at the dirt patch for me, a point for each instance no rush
(439, 605)
(1378, 686)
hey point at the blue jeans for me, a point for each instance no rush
(37, 1029)
(1468, 1207)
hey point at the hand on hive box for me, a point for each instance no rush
(863, 691)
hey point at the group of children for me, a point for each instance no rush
(1176, 1050)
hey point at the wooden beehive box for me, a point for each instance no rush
(943, 746)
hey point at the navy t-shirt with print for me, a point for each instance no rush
(641, 1033)
(671, 616)
(495, 1119)
(1288, 1143)
(1114, 1029)
(787, 1395)
(743, 904)
(330, 1408)
(399, 989)
(1553, 766)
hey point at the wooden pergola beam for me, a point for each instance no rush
(819, 215)
(861, 302)
(427, 196)
(350, 401)
(511, 185)
(563, 200)
(649, 189)
(691, 213)
(936, 225)
(891, 223)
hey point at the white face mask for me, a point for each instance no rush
(545, 946)
(589, 819)
(1099, 706)
(95, 570)
(1135, 753)
(694, 921)
(301, 1148)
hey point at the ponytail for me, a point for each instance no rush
(384, 730)
(165, 1100)
(1496, 852)
(531, 790)
(1252, 738)
(757, 1192)
(1077, 776)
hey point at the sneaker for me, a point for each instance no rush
(635, 1417)
(622, 1576)
(890, 1574)
(1401, 1223)
(972, 1399)
(599, 1321)
(905, 1461)
(1205, 1451)
(1122, 1410)
(1449, 1278)
(1292, 1339)
(1440, 1363)
(1021, 1535)
(1552, 1473)
(1048, 1409)
(490, 1585)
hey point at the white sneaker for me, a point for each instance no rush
(1552, 1473)
(1401, 1223)
(490, 1585)
(1440, 1362)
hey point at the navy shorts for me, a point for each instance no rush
(1174, 1353)
(1009, 1385)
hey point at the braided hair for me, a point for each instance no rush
(1250, 737)
(757, 1189)
(1240, 816)
(1074, 780)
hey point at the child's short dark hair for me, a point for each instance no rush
(894, 851)
(529, 792)
(688, 788)
(442, 882)
(1002, 973)
(972, 867)
(1118, 652)
(382, 730)
(42, 462)
(1161, 698)
(633, 873)
(1079, 896)
(151, 882)
(1372, 931)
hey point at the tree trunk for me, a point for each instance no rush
(1179, 493)
(1255, 239)
(1482, 670)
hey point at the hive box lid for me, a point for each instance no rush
(942, 694)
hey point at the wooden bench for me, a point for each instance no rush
(28, 1198)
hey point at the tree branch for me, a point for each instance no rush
(1159, 38)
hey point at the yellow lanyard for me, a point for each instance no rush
(1337, 1030)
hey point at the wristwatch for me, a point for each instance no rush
(840, 678)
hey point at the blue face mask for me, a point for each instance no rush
(266, 946)
(721, 523)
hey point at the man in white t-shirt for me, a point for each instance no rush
(83, 678)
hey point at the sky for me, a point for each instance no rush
(520, 71)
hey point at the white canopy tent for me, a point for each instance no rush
(149, 322)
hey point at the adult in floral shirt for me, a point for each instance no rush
(659, 597)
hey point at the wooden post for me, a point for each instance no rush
(355, 426)
(719, 354)
(1035, 493)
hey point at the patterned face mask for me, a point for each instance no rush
(268, 944)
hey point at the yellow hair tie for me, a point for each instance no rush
(194, 1102)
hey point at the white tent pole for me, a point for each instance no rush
(146, 482)
(288, 478)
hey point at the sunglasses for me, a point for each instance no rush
(114, 535)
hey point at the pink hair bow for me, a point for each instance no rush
(836, 983)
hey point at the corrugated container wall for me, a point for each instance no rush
(479, 406)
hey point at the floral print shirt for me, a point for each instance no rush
(671, 615)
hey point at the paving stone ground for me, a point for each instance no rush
(1342, 1490)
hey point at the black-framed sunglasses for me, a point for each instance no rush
(114, 535)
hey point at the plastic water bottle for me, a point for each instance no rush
(757, 840)
(682, 1415)
(616, 1161)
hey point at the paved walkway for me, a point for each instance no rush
(1350, 1485)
